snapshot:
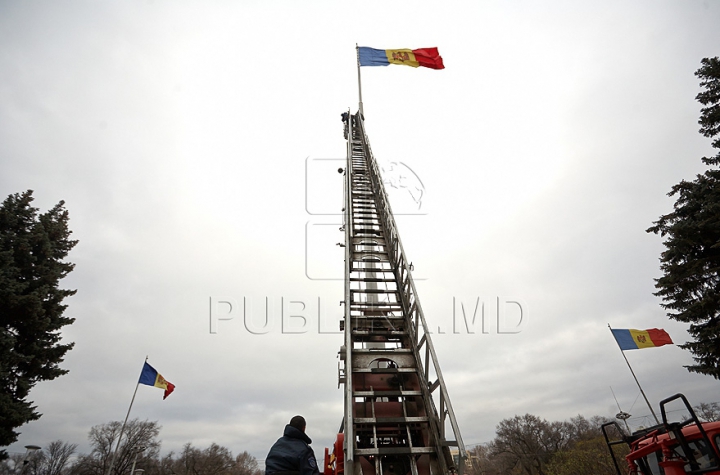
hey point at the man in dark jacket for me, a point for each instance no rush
(291, 454)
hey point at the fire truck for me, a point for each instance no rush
(669, 448)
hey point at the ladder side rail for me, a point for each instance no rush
(410, 304)
(349, 439)
(443, 388)
(408, 298)
(394, 237)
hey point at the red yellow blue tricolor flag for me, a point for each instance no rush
(151, 377)
(426, 57)
(148, 376)
(636, 339)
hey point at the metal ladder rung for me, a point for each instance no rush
(390, 420)
(384, 370)
(372, 393)
(395, 451)
(375, 351)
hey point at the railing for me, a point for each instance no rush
(348, 442)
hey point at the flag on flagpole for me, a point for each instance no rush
(151, 377)
(636, 339)
(426, 57)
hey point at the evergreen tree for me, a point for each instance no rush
(33, 247)
(690, 285)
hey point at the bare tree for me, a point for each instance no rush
(54, 460)
(11, 465)
(246, 464)
(484, 460)
(586, 457)
(139, 442)
(212, 461)
(530, 442)
(708, 412)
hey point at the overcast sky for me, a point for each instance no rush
(196, 146)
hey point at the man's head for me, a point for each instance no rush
(298, 422)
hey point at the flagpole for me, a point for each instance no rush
(122, 429)
(636, 380)
(357, 53)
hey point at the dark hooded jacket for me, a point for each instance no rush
(291, 453)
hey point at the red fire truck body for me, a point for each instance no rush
(671, 448)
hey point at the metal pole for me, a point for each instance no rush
(138, 450)
(636, 380)
(132, 470)
(348, 423)
(360, 107)
(122, 429)
(29, 449)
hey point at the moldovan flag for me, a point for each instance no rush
(426, 57)
(152, 378)
(636, 339)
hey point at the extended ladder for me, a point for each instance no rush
(390, 371)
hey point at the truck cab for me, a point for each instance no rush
(670, 448)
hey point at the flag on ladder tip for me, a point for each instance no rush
(426, 57)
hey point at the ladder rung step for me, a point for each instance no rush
(380, 318)
(384, 370)
(386, 393)
(379, 313)
(375, 306)
(364, 351)
(386, 333)
(359, 335)
(369, 279)
(395, 451)
(389, 420)
(374, 291)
